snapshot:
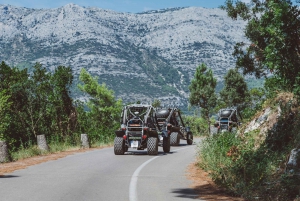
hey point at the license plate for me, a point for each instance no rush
(134, 144)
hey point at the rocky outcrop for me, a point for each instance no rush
(293, 164)
(267, 121)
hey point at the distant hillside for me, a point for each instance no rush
(140, 56)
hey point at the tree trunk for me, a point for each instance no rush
(42, 143)
(208, 122)
(3, 152)
(85, 141)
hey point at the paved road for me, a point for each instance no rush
(100, 175)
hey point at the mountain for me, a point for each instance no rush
(143, 56)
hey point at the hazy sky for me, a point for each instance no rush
(132, 6)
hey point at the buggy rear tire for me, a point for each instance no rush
(189, 139)
(119, 146)
(166, 144)
(152, 146)
(175, 139)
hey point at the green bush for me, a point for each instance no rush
(198, 125)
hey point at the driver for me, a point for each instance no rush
(173, 120)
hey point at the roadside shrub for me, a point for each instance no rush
(198, 125)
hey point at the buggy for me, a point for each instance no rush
(228, 118)
(140, 130)
(172, 117)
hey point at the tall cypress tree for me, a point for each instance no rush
(235, 91)
(202, 90)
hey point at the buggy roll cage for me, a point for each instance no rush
(233, 117)
(128, 114)
(172, 110)
(147, 111)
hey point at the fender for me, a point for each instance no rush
(152, 134)
(120, 133)
(187, 129)
(175, 129)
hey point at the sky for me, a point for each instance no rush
(131, 6)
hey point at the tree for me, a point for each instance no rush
(104, 111)
(37, 116)
(202, 90)
(273, 29)
(235, 92)
(39, 102)
(49, 106)
(14, 81)
(63, 110)
(4, 114)
(156, 103)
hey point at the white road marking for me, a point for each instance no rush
(133, 182)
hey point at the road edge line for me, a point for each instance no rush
(133, 181)
(134, 178)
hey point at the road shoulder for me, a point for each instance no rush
(205, 187)
(24, 163)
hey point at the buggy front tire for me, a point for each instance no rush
(119, 146)
(175, 139)
(166, 144)
(189, 139)
(152, 146)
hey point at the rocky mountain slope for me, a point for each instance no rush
(141, 56)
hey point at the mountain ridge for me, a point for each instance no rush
(140, 56)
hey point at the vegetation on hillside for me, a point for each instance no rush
(253, 164)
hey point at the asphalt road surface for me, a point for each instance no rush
(101, 175)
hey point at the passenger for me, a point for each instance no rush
(173, 120)
(134, 120)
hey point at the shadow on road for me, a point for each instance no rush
(7, 176)
(142, 153)
(186, 193)
(209, 193)
(160, 153)
(205, 192)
